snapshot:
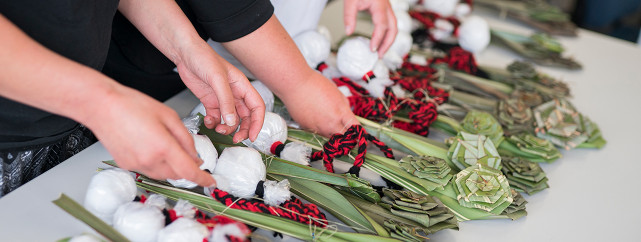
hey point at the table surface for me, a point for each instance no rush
(592, 194)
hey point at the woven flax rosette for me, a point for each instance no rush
(534, 146)
(484, 188)
(515, 116)
(471, 149)
(479, 122)
(428, 167)
(524, 175)
(560, 123)
(421, 209)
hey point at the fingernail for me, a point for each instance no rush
(347, 28)
(220, 130)
(208, 121)
(374, 49)
(230, 119)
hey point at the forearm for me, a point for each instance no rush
(272, 56)
(164, 24)
(37, 76)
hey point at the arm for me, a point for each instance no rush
(312, 100)
(121, 118)
(222, 88)
(385, 28)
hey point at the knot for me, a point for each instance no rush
(341, 144)
(422, 115)
(260, 189)
(321, 66)
(368, 76)
(276, 148)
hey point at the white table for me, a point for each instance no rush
(593, 194)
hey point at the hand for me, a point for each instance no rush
(222, 89)
(319, 107)
(146, 136)
(385, 28)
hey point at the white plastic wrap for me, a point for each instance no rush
(276, 192)
(442, 30)
(474, 34)
(185, 209)
(376, 86)
(444, 8)
(108, 190)
(354, 58)
(157, 200)
(345, 91)
(400, 48)
(207, 152)
(380, 70)
(220, 232)
(399, 92)
(192, 123)
(314, 46)
(418, 60)
(239, 170)
(266, 94)
(139, 222)
(274, 129)
(183, 230)
(403, 22)
(296, 152)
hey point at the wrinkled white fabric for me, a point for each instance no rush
(239, 170)
(183, 230)
(274, 129)
(108, 190)
(139, 222)
(355, 58)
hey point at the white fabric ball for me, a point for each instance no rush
(354, 58)
(108, 190)
(183, 229)
(444, 8)
(323, 30)
(274, 129)
(403, 21)
(462, 10)
(400, 48)
(266, 94)
(474, 34)
(239, 170)
(376, 87)
(314, 47)
(139, 222)
(207, 152)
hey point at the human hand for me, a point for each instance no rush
(319, 107)
(385, 28)
(222, 89)
(146, 136)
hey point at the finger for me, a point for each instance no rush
(177, 129)
(350, 9)
(185, 167)
(390, 36)
(212, 119)
(253, 106)
(243, 131)
(160, 171)
(379, 18)
(220, 85)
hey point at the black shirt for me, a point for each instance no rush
(134, 62)
(77, 29)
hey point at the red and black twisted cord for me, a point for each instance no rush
(293, 209)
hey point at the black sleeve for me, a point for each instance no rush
(227, 20)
